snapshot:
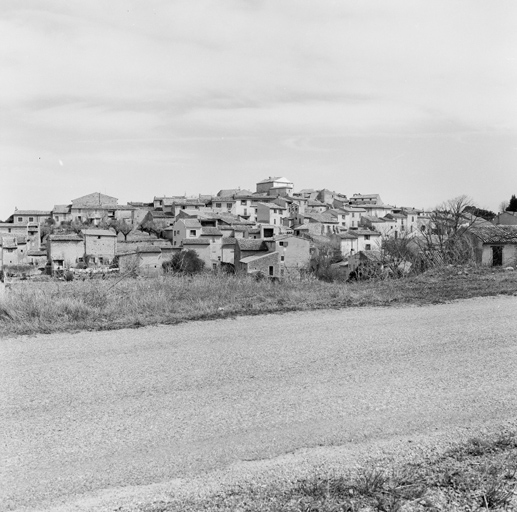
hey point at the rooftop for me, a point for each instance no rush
(98, 232)
(496, 234)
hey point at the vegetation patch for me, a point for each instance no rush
(480, 474)
(57, 306)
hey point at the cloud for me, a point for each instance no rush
(265, 73)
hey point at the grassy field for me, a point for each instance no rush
(479, 474)
(57, 306)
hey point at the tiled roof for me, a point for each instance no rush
(321, 217)
(191, 223)
(149, 249)
(346, 235)
(98, 232)
(275, 178)
(496, 234)
(250, 244)
(250, 259)
(156, 214)
(71, 237)
(36, 253)
(362, 232)
(372, 218)
(223, 199)
(196, 241)
(228, 240)
(31, 212)
(61, 208)
(272, 206)
(210, 231)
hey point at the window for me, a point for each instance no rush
(244, 203)
(281, 243)
(31, 219)
(367, 237)
(229, 206)
(282, 258)
(56, 217)
(281, 271)
(192, 232)
(20, 219)
(367, 247)
(218, 205)
(245, 212)
(98, 237)
(271, 270)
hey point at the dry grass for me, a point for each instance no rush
(477, 475)
(56, 306)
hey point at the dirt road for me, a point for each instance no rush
(90, 411)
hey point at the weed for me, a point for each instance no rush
(32, 307)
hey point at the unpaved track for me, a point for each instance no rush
(90, 411)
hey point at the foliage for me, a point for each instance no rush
(512, 205)
(325, 255)
(184, 262)
(480, 212)
(153, 227)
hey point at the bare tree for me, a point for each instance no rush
(447, 239)
(121, 226)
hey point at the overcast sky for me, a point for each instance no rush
(414, 100)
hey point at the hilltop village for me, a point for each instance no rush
(273, 230)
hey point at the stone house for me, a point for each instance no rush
(348, 243)
(295, 253)
(248, 247)
(505, 219)
(145, 260)
(495, 245)
(61, 213)
(317, 224)
(271, 213)
(24, 217)
(201, 246)
(367, 240)
(184, 229)
(222, 253)
(275, 186)
(267, 263)
(93, 208)
(100, 246)
(64, 251)
(13, 251)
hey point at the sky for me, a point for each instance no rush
(414, 100)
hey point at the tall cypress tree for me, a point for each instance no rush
(512, 207)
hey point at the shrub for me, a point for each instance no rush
(184, 262)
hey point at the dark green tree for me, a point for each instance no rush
(512, 206)
(184, 262)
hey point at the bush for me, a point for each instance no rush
(184, 262)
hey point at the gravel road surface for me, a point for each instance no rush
(84, 412)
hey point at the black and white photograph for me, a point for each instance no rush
(258, 255)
